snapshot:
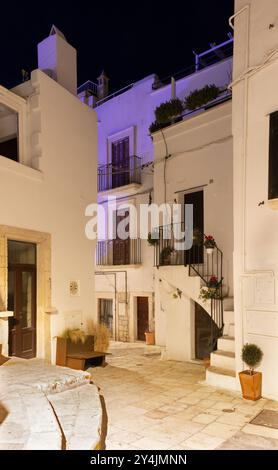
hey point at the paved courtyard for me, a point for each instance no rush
(156, 404)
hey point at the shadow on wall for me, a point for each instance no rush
(3, 413)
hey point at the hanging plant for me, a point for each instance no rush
(208, 293)
(198, 98)
(213, 282)
(177, 294)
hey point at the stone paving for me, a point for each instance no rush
(155, 404)
(47, 407)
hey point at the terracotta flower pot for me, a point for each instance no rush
(206, 362)
(251, 385)
(149, 338)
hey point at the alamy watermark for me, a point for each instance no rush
(127, 221)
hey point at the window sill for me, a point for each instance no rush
(110, 267)
(126, 190)
(18, 168)
(6, 314)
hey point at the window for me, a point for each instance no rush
(120, 163)
(121, 248)
(8, 133)
(273, 157)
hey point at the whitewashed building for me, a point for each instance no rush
(255, 106)
(125, 280)
(48, 161)
(194, 166)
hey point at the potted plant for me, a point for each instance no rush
(251, 381)
(174, 257)
(153, 238)
(149, 334)
(209, 244)
(198, 98)
(211, 290)
(165, 255)
(168, 111)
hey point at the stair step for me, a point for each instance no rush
(220, 371)
(223, 359)
(226, 343)
(219, 377)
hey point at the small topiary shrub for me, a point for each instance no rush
(198, 98)
(168, 110)
(251, 356)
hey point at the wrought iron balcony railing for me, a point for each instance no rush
(118, 252)
(112, 175)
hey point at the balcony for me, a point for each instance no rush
(125, 175)
(197, 257)
(118, 252)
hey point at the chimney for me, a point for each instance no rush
(57, 58)
(102, 87)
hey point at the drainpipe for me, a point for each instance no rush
(239, 331)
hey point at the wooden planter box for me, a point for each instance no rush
(251, 385)
(78, 355)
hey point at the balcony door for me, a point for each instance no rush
(121, 248)
(196, 254)
(120, 163)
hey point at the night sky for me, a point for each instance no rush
(128, 39)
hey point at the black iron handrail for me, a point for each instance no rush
(112, 176)
(118, 252)
(200, 262)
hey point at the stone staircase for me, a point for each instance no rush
(221, 372)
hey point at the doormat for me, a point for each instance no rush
(267, 418)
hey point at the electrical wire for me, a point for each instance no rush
(254, 69)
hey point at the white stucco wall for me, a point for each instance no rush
(256, 227)
(61, 135)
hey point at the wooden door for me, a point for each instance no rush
(22, 301)
(196, 254)
(121, 248)
(142, 317)
(120, 163)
